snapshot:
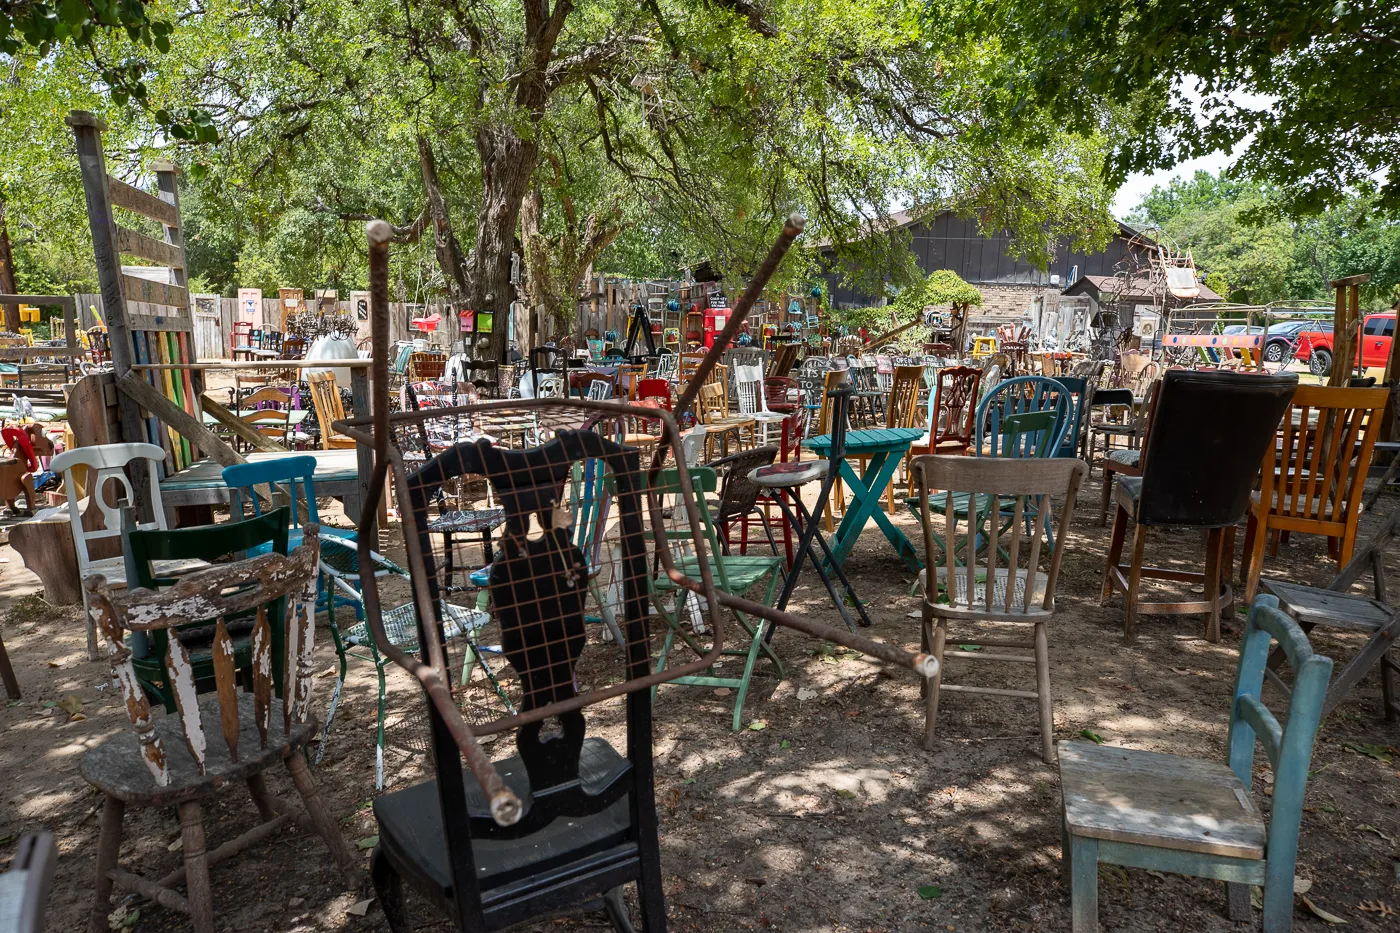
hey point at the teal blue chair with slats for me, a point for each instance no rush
(1167, 813)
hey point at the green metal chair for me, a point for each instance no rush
(1167, 813)
(340, 564)
(735, 574)
(264, 533)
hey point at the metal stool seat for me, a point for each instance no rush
(791, 474)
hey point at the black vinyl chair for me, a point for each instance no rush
(1208, 436)
(589, 824)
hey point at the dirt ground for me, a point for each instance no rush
(829, 817)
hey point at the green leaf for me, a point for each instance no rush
(845, 794)
(758, 725)
(49, 704)
(930, 891)
(1092, 736)
(369, 842)
(1380, 753)
(162, 43)
(73, 12)
(785, 744)
(690, 780)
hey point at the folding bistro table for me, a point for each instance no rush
(885, 447)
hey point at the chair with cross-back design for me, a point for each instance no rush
(179, 760)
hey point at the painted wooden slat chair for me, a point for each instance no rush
(1339, 608)
(1313, 480)
(1160, 812)
(173, 760)
(266, 533)
(736, 574)
(1020, 592)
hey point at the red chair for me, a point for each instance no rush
(655, 388)
(240, 338)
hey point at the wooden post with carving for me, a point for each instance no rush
(1346, 318)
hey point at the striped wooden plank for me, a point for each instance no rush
(177, 377)
(192, 405)
(134, 243)
(162, 354)
(156, 293)
(141, 352)
(134, 199)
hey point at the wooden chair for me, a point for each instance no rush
(1133, 423)
(171, 761)
(628, 377)
(901, 411)
(753, 403)
(1209, 429)
(1337, 607)
(1314, 479)
(106, 464)
(1124, 461)
(1163, 812)
(325, 395)
(952, 416)
(260, 534)
(1018, 593)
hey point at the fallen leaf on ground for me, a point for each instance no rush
(1301, 885)
(1368, 828)
(1321, 914)
(929, 891)
(328, 672)
(1091, 735)
(1378, 907)
(846, 794)
(175, 846)
(808, 693)
(722, 691)
(1378, 752)
(785, 744)
(72, 705)
(369, 842)
(758, 725)
(359, 908)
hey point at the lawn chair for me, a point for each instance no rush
(1162, 812)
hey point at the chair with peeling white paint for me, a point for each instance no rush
(106, 464)
(225, 738)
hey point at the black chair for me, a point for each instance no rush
(589, 823)
(1208, 435)
(738, 495)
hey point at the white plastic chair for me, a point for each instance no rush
(753, 404)
(107, 463)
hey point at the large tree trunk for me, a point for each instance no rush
(507, 162)
(447, 249)
(7, 274)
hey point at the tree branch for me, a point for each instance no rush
(408, 233)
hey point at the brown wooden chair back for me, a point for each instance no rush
(325, 395)
(217, 593)
(832, 379)
(954, 415)
(1318, 470)
(628, 375)
(902, 411)
(1008, 509)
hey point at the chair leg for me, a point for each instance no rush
(197, 889)
(1254, 559)
(108, 845)
(616, 909)
(1387, 684)
(1042, 691)
(1134, 583)
(1084, 884)
(320, 816)
(1106, 494)
(1212, 584)
(388, 887)
(379, 728)
(940, 637)
(1115, 554)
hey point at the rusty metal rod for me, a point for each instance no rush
(791, 230)
(505, 805)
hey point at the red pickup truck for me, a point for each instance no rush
(1377, 330)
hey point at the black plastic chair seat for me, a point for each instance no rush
(791, 473)
(411, 835)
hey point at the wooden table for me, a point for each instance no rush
(886, 448)
(337, 474)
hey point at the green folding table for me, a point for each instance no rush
(885, 447)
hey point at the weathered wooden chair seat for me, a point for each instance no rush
(116, 767)
(419, 843)
(1166, 801)
(1312, 606)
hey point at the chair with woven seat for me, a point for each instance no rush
(983, 593)
(1161, 812)
(738, 496)
(172, 760)
(1209, 432)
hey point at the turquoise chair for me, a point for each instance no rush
(1078, 388)
(291, 479)
(1020, 396)
(1167, 813)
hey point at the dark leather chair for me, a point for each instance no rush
(1209, 433)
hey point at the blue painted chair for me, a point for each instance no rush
(1018, 396)
(1167, 813)
(1078, 389)
(291, 479)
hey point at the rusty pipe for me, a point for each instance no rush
(505, 806)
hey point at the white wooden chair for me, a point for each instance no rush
(107, 463)
(748, 380)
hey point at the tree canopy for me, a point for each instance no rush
(1308, 90)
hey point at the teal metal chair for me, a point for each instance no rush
(735, 574)
(1162, 812)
